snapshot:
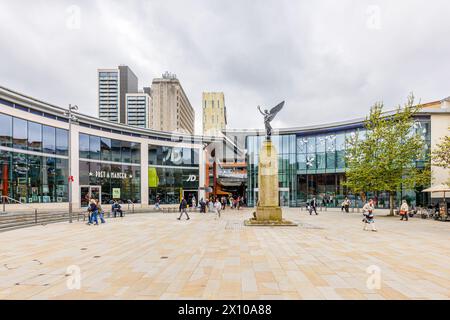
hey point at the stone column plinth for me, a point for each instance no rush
(268, 200)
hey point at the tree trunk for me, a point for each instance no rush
(391, 203)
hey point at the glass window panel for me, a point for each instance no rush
(20, 133)
(340, 159)
(320, 143)
(19, 177)
(311, 145)
(187, 156)
(340, 141)
(105, 149)
(84, 146)
(116, 151)
(5, 130)
(126, 151)
(302, 143)
(330, 143)
(94, 147)
(34, 179)
(61, 180)
(48, 179)
(135, 152)
(48, 139)
(62, 142)
(152, 155)
(34, 136)
(311, 161)
(331, 160)
(321, 160)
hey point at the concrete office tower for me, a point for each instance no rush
(138, 106)
(113, 85)
(171, 109)
(214, 113)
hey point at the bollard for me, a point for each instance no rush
(35, 216)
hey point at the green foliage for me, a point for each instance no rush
(441, 156)
(385, 159)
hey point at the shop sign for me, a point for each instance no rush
(192, 178)
(116, 193)
(112, 175)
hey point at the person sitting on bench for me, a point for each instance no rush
(117, 208)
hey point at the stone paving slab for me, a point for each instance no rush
(155, 256)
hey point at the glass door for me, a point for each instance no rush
(84, 194)
(90, 192)
(96, 193)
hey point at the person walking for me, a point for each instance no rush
(157, 203)
(93, 210)
(368, 215)
(224, 203)
(404, 210)
(100, 211)
(202, 206)
(218, 207)
(313, 206)
(183, 207)
(345, 205)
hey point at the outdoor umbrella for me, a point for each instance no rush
(438, 188)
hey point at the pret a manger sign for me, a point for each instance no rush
(112, 175)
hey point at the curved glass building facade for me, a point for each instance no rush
(109, 161)
(313, 164)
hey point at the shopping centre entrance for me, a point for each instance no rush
(90, 192)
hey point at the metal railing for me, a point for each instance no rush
(6, 199)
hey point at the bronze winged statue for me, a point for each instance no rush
(269, 116)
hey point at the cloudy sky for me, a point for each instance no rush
(330, 60)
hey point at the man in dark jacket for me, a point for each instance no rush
(312, 206)
(183, 206)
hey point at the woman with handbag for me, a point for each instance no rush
(368, 215)
(404, 210)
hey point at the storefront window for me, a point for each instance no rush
(5, 130)
(61, 173)
(169, 184)
(117, 182)
(19, 177)
(34, 178)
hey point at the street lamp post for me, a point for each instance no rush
(71, 117)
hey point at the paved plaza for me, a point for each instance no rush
(155, 256)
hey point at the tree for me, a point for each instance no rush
(386, 158)
(441, 156)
